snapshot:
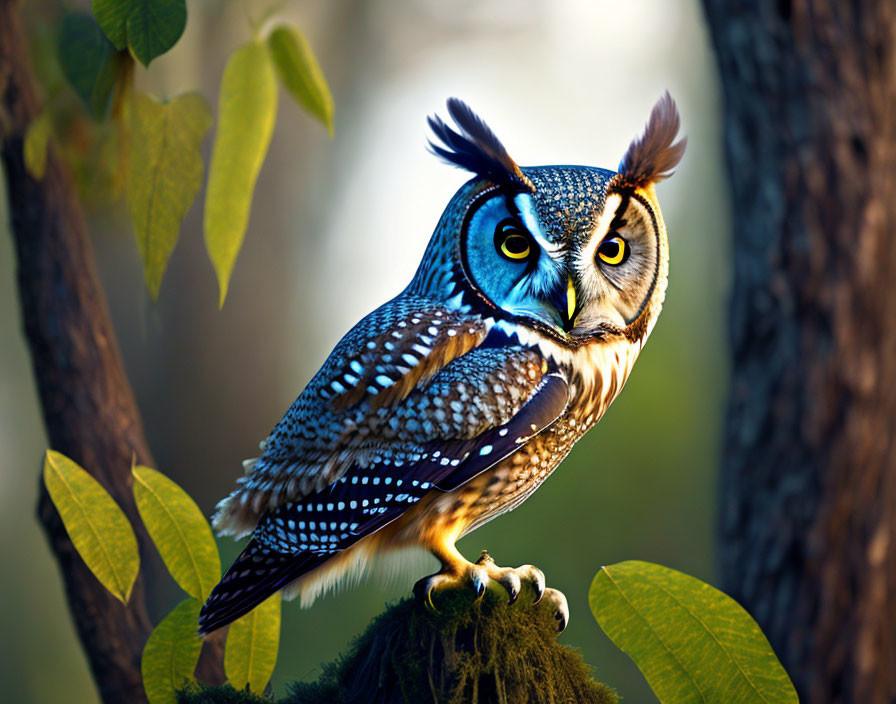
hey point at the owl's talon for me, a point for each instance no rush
(511, 582)
(462, 574)
(424, 588)
(480, 579)
(535, 578)
(558, 599)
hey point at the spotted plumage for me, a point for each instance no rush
(453, 402)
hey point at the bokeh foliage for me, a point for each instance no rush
(164, 174)
(247, 107)
(153, 146)
(148, 28)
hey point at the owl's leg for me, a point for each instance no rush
(511, 579)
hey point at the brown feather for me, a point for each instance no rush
(651, 157)
(445, 350)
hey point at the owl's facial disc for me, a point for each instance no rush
(515, 266)
(619, 265)
(595, 279)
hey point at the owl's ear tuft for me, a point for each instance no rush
(653, 156)
(476, 148)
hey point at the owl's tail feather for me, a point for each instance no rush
(257, 574)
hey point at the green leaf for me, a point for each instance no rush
(88, 62)
(251, 649)
(154, 26)
(35, 147)
(164, 174)
(692, 642)
(149, 27)
(98, 528)
(301, 74)
(171, 653)
(247, 108)
(179, 530)
(112, 17)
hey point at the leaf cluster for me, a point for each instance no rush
(148, 28)
(104, 538)
(123, 140)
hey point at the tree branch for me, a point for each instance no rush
(88, 405)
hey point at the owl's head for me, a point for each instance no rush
(573, 252)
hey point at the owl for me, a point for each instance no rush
(450, 404)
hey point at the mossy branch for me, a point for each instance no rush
(479, 652)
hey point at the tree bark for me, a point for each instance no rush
(88, 405)
(808, 495)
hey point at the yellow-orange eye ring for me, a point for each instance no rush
(613, 250)
(515, 246)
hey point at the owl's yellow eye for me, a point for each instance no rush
(512, 242)
(613, 250)
(516, 246)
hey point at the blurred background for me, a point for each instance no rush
(337, 228)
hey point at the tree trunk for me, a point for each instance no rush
(808, 505)
(87, 402)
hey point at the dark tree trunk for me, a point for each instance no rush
(808, 506)
(87, 402)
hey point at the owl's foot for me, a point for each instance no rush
(484, 570)
(511, 580)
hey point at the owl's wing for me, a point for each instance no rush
(301, 535)
(348, 405)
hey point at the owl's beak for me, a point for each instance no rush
(563, 298)
(570, 299)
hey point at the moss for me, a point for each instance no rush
(200, 694)
(479, 653)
